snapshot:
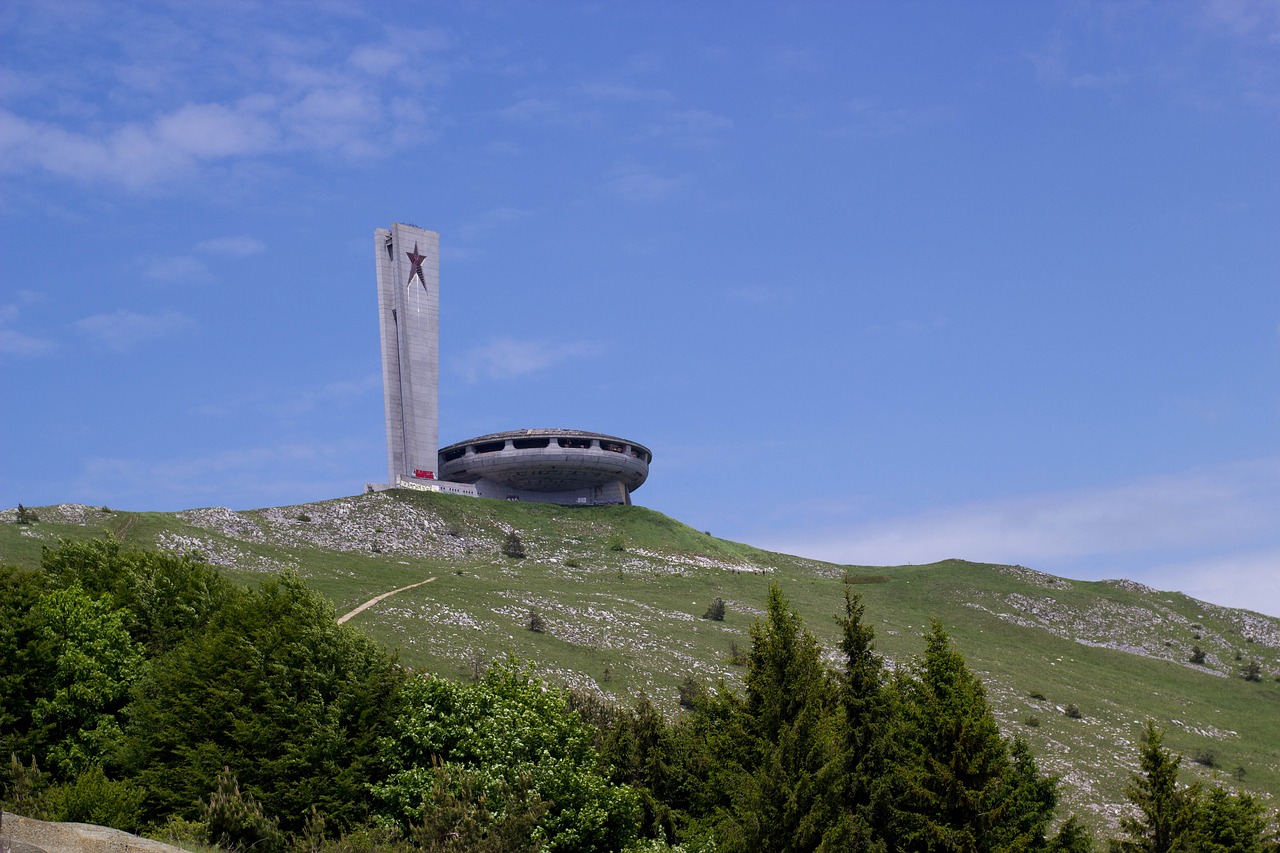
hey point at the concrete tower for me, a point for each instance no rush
(408, 265)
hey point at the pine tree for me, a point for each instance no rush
(963, 792)
(780, 803)
(1165, 810)
(861, 791)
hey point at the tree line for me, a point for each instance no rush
(144, 691)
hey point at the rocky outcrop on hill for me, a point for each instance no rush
(24, 835)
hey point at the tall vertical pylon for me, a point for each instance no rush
(408, 269)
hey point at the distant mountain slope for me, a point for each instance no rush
(620, 594)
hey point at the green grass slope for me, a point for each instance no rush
(621, 592)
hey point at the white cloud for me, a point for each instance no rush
(505, 358)
(866, 118)
(690, 128)
(123, 330)
(1248, 579)
(14, 342)
(623, 92)
(760, 294)
(641, 185)
(253, 476)
(283, 96)
(1208, 517)
(236, 247)
(489, 219)
(296, 401)
(177, 268)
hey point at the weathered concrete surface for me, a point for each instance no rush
(25, 835)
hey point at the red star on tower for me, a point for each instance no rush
(415, 268)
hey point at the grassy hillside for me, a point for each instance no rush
(621, 592)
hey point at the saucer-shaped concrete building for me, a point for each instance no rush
(564, 466)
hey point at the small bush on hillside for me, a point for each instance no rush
(1206, 758)
(1036, 694)
(302, 516)
(25, 516)
(93, 798)
(1252, 671)
(1033, 721)
(536, 623)
(513, 547)
(691, 690)
(572, 563)
(715, 611)
(237, 822)
(617, 543)
(736, 655)
(1197, 654)
(1073, 711)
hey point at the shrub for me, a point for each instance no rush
(236, 821)
(26, 516)
(1197, 654)
(1033, 721)
(1036, 694)
(691, 690)
(93, 798)
(715, 611)
(536, 623)
(302, 516)
(1206, 758)
(617, 543)
(1073, 711)
(513, 547)
(736, 655)
(573, 563)
(1252, 671)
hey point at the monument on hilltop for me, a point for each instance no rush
(408, 266)
(547, 465)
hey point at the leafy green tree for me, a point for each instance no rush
(1165, 810)
(277, 691)
(165, 598)
(91, 661)
(23, 675)
(509, 725)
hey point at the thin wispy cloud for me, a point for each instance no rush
(124, 330)
(15, 342)
(237, 247)
(622, 92)
(295, 401)
(760, 294)
(1225, 513)
(637, 184)
(543, 111)
(867, 118)
(178, 268)
(257, 476)
(488, 220)
(270, 95)
(690, 128)
(506, 358)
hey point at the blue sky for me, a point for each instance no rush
(877, 282)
